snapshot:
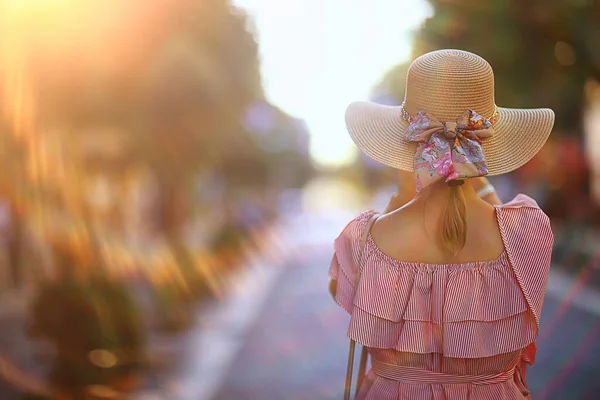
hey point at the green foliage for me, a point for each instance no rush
(79, 317)
(163, 91)
(87, 315)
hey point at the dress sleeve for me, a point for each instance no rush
(345, 262)
(522, 200)
(528, 238)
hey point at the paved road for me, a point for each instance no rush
(296, 348)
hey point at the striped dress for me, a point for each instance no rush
(447, 331)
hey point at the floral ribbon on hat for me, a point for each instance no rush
(448, 150)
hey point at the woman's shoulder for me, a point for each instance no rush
(356, 225)
(523, 204)
(350, 238)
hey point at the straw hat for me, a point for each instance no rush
(444, 84)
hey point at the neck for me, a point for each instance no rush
(435, 197)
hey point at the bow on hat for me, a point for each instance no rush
(449, 150)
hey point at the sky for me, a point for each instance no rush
(318, 56)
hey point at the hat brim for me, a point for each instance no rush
(519, 134)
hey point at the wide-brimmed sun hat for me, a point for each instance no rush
(445, 84)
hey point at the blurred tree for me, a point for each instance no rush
(12, 159)
(163, 88)
(542, 52)
(167, 84)
(193, 95)
(86, 321)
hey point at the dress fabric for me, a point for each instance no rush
(447, 331)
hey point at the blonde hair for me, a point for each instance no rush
(454, 221)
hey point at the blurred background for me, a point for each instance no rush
(173, 174)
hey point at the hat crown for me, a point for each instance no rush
(446, 83)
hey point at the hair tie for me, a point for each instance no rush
(456, 182)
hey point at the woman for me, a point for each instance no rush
(446, 291)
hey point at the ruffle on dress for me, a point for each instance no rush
(441, 308)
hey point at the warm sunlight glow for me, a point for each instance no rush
(70, 38)
(34, 3)
(320, 55)
(84, 34)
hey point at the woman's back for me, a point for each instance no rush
(440, 329)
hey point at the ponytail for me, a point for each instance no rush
(454, 225)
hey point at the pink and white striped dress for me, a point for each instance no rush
(447, 331)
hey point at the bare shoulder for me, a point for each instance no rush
(395, 222)
(402, 234)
